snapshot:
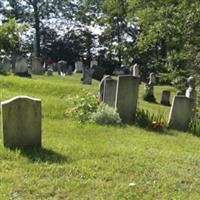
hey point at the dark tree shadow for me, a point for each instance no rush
(36, 154)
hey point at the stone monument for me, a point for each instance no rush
(149, 89)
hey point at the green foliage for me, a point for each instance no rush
(82, 106)
(194, 127)
(147, 120)
(105, 115)
(9, 35)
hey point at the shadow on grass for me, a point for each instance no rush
(36, 154)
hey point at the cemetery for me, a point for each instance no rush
(99, 100)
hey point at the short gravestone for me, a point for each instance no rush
(21, 122)
(165, 99)
(62, 67)
(180, 113)
(21, 65)
(37, 67)
(50, 70)
(5, 66)
(126, 97)
(110, 92)
(78, 67)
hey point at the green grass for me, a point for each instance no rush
(90, 161)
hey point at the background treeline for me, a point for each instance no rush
(161, 36)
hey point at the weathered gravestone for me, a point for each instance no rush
(62, 67)
(102, 86)
(50, 70)
(192, 93)
(98, 73)
(5, 66)
(180, 113)
(165, 99)
(21, 67)
(87, 75)
(78, 67)
(37, 67)
(93, 63)
(21, 122)
(126, 97)
(110, 92)
(149, 89)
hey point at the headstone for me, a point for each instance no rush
(180, 113)
(110, 92)
(78, 67)
(37, 67)
(165, 99)
(62, 67)
(102, 86)
(149, 89)
(192, 93)
(21, 122)
(98, 73)
(136, 71)
(70, 70)
(5, 66)
(21, 65)
(50, 70)
(87, 75)
(93, 63)
(126, 97)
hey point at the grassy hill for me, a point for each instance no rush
(89, 161)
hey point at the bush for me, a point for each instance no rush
(82, 106)
(105, 115)
(145, 119)
(194, 127)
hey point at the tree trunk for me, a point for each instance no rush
(37, 29)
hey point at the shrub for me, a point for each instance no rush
(145, 119)
(105, 115)
(82, 106)
(194, 127)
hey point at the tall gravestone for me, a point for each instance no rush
(21, 122)
(37, 67)
(136, 71)
(126, 97)
(87, 75)
(192, 93)
(180, 113)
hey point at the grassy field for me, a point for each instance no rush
(89, 161)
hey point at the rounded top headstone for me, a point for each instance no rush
(191, 81)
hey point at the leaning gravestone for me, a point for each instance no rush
(78, 67)
(126, 97)
(110, 92)
(21, 122)
(102, 86)
(37, 67)
(180, 113)
(165, 99)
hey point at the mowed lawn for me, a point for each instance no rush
(89, 161)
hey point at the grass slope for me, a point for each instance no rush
(95, 162)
